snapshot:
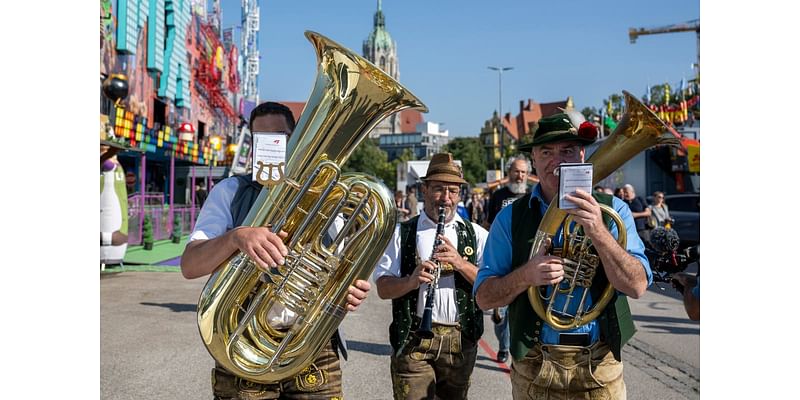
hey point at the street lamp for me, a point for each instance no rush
(500, 117)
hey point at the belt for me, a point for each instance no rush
(574, 339)
(442, 327)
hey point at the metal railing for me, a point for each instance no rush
(152, 205)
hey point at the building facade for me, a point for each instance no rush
(424, 143)
(516, 128)
(179, 74)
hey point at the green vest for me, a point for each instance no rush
(404, 309)
(615, 322)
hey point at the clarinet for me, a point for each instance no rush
(424, 331)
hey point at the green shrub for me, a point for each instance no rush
(147, 233)
(176, 229)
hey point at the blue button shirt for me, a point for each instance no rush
(497, 258)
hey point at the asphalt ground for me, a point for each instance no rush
(150, 347)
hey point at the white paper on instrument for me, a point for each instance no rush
(268, 148)
(573, 176)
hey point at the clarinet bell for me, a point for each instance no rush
(424, 331)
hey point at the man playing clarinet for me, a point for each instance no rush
(435, 359)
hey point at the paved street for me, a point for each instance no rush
(150, 347)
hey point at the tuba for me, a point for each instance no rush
(638, 130)
(350, 96)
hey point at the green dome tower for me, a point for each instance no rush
(381, 50)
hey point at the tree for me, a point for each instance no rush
(370, 159)
(147, 233)
(176, 229)
(471, 153)
(589, 112)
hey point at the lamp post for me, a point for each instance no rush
(500, 117)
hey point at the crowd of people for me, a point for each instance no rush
(474, 260)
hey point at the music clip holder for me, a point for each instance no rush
(270, 180)
(269, 155)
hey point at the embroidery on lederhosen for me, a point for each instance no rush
(311, 378)
(421, 350)
(250, 390)
(401, 389)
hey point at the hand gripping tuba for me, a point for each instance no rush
(638, 130)
(349, 98)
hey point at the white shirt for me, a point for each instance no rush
(215, 219)
(444, 306)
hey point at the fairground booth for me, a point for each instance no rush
(171, 108)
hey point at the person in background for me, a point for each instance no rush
(660, 210)
(461, 209)
(519, 168)
(200, 194)
(411, 202)
(475, 208)
(402, 212)
(640, 211)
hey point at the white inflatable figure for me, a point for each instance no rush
(113, 213)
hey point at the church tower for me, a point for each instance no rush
(381, 50)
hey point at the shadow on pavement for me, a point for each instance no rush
(667, 324)
(491, 367)
(175, 307)
(372, 348)
(672, 329)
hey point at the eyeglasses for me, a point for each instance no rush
(451, 190)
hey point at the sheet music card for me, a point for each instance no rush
(269, 156)
(573, 176)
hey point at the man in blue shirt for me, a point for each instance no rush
(583, 362)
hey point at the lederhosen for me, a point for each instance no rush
(226, 385)
(566, 370)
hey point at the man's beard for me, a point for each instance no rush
(517, 188)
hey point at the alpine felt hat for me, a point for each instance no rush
(559, 128)
(443, 169)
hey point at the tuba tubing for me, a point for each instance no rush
(350, 96)
(638, 130)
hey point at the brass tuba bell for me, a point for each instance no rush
(349, 98)
(638, 130)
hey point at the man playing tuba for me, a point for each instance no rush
(582, 362)
(218, 234)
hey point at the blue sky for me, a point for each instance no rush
(577, 48)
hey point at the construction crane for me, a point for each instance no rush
(690, 26)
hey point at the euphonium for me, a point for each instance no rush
(638, 130)
(349, 98)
